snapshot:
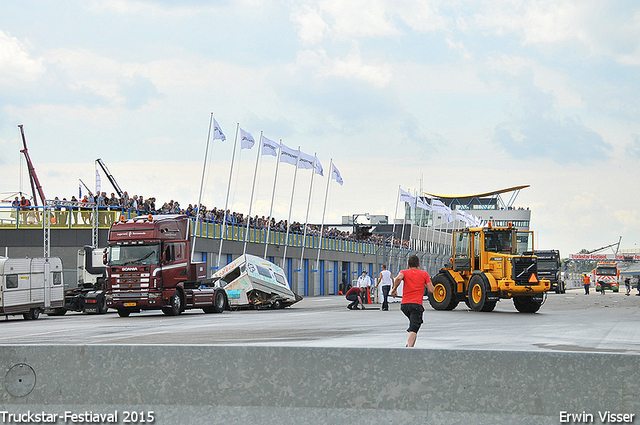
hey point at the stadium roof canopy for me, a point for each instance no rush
(493, 198)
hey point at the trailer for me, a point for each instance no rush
(252, 282)
(30, 286)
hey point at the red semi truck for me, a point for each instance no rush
(149, 268)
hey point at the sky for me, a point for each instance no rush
(451, 97)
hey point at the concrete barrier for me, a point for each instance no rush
(280, 385)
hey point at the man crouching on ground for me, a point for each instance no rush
(353, 295)
(415, 281)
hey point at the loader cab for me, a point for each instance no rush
(466, 253)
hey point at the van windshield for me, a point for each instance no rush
(133, 255)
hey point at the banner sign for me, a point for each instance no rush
(605, 257)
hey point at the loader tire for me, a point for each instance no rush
(477, 294)
(526, 304)
(443, 297)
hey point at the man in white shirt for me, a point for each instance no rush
(364, 282)
(386, 281)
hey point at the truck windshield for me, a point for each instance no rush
(545, 264)
(606, 271)
(133, 255)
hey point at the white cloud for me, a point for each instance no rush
(16, 65)
(352, 67)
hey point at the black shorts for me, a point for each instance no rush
(414, 313)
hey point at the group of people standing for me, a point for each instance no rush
(414, 283)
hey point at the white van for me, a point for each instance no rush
(251, 281)
(30, 286)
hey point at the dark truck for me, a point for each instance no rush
(149, 267)
(549, 268)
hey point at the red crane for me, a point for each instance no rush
(35, 184)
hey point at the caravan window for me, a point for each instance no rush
(57, 278)
(12, 281)
(264, 271)
(281, 280)
(231, 276)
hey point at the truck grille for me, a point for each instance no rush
(523, 268)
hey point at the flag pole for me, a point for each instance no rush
(306, 218)
(204, 167)
(273, 193)
(324, 209)
(293, 189)
(393, 230)
(255, 172)
(226, 202)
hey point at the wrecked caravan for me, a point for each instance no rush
(30, 286)
(251, 281)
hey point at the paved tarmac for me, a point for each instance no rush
(571, 322)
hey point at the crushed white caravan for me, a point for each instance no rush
(30, 286)
(251, 281)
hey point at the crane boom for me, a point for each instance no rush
(110, 177)
(617, 245)
(35, 183)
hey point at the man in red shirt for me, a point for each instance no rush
(415, 281)
(353, 295)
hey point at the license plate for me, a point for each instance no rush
(129, 304)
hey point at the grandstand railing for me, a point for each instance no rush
(82, 218)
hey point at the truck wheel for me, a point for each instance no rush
(123, 313)
(220, 302)
(33, 314)
(526, 304)
(102, 304)
(477, 294)
(176, 305)
(443, 297)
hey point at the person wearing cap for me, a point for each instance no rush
(364, 282)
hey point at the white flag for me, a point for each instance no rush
(318, 167)
(288, 155)
(440, 207)
(269, 147)
(217, 131)
(246, 140)
(423, 205)
(407, 197)
(306, 161)
(335, 174)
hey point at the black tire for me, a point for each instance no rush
(123, 312)
(102, 304)
(443, 297)
(277, 304)
(176, 305)
(526, 304)
(33, 314)
(477, 294)
(58, 312)
(219, 301)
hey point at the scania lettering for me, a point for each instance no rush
(149, 268)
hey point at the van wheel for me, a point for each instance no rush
(33, 314)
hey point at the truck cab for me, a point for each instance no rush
(549, 264)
